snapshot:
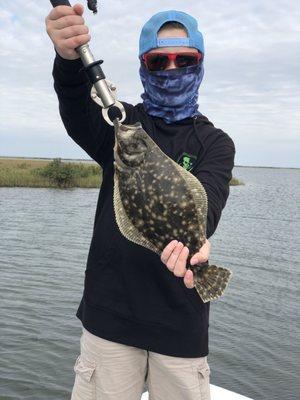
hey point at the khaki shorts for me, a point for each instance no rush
(106, 370)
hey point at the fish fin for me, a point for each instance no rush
(126, 227)
(211, 282)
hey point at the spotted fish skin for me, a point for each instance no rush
(156, 201)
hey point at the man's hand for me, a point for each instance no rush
(65, 26)
(175, 255)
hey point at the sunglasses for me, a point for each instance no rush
(161, 61)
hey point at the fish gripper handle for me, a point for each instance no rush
(56, 3)
(92, 4)
(94, 71)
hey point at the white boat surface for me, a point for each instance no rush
(217, 393)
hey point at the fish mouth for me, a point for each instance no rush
(130, 146)
(126, 132)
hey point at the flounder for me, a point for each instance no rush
(156, 200)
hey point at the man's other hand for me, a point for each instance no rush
(175, 255)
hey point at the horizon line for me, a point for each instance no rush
(93, 161)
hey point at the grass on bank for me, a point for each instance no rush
(53, 174)
(235, 182)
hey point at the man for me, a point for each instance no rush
(140, 319)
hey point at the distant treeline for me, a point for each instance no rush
(55, 174)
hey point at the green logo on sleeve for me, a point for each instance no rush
(187, 161)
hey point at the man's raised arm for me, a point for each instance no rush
(81, 116)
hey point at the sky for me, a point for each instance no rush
(250, 87)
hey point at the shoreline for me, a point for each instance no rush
(84, 160)
(55, 173)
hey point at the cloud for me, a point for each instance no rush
(250, 87)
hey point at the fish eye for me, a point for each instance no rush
(131, 147)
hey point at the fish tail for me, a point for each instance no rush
(211, 282)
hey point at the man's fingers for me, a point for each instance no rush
(78, 8)
(189, 279)
(180, 266)
(168, 251)
(198, 258)
(202, 255)
(69, 20)
(65, 27)
(60, 11)
(174, 256)
(76, 41)
(72, 31)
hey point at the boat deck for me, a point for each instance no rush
(217, 393)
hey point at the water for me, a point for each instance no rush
(254, 328)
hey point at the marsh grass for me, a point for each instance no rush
(236, 182)
(56, 174)
(42, 173)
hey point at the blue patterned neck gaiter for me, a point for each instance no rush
(172, 94)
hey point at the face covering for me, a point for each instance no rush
(172, 94)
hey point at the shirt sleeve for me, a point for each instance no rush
(215, 173)
(81, 116)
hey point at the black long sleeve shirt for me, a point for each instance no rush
(129, 295)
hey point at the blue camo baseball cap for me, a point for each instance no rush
(149, 39)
